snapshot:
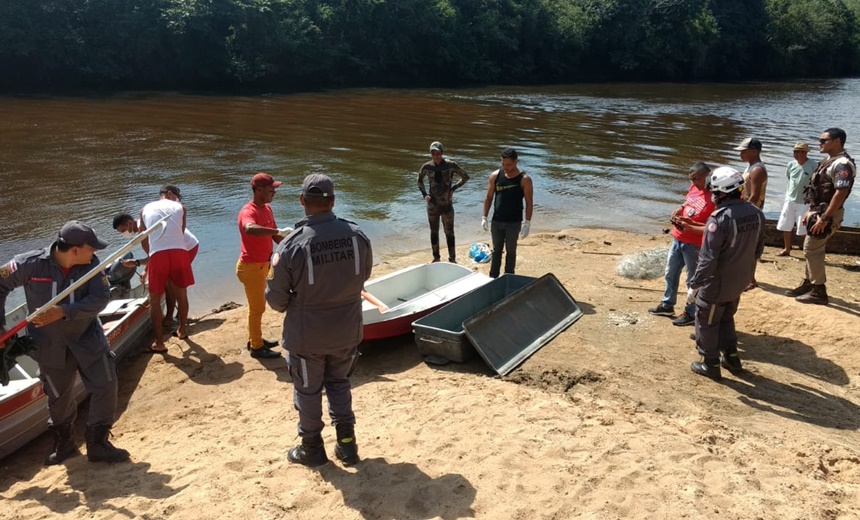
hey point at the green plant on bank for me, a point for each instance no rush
(65, 45)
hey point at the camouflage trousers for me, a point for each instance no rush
(446, 215)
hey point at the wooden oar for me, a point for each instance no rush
(161, 224)
(376, 302)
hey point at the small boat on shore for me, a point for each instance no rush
(846, 241)
(392, 302)
(23, 403)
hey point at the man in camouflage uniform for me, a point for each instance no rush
(828, 189)
(440, 175)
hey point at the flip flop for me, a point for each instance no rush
(157, 351)
(175, 334)
(783, 253)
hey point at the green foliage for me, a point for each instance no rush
(812, 38)
(50, 45)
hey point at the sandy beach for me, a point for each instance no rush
(604, 422)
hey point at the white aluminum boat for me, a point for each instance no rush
(394, 301)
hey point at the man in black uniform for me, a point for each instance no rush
(440, 174)
(69, 337)
(734, 238)
(508, 188)
(316, 276)
(828, 189)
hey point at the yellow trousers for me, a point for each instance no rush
(253, 277)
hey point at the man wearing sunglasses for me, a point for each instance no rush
(828, 189)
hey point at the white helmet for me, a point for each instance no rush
(725, 179)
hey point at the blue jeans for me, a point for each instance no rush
(680, 255)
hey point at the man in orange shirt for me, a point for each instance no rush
(258, 231)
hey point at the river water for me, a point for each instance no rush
(610, 155)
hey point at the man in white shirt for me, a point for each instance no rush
(128, 227)
(168, 259)
(797, 173)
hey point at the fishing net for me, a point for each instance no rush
(643, 265)
(15, 347)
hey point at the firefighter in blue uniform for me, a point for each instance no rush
(734, 238)
(69, 337)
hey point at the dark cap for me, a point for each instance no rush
(318, 185)
(750, 143)
(76, 234)
(437, 146)
(170, 188)
(264, 180)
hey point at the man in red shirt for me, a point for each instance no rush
(258, 231)
(689, 226)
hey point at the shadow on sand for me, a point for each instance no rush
(200, 366)
(381, 490)
(795, 401)
(95, 485)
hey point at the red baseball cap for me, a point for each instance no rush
(264, 180)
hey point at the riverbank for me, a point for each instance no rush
(606, 421)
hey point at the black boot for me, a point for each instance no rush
(63, 445)
(346, 450)
(818, 296)
(731, 361)
(801, 289)
(708, 368)
(99, 448)
(311, 452)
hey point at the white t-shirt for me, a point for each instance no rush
(190, 240)
(173, 237)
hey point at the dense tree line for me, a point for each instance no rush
(50, 45)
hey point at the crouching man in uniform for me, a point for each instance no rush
(316, 276)
(734, 238)
(69, 337)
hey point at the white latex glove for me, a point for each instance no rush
(691, 295)
(285, 231)
(484, 224)
(524, 231)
